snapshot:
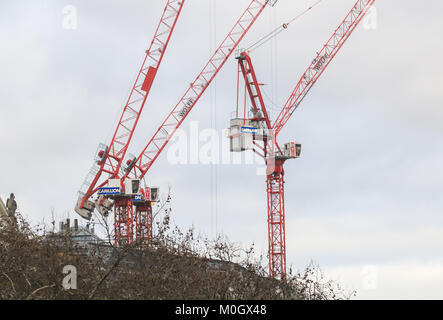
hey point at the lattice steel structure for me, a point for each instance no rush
(266, 144)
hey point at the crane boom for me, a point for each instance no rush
(111, 158)
(173, 121)
(321, 62)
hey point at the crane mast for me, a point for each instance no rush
(263, 141)
(109, 158)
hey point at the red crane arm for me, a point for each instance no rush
(321, 62)
(252, 86)
(112, 158)
(179, 113)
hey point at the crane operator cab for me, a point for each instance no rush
(242, 133)
(147, 195)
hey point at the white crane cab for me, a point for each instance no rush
(115, 188)
(242, 133)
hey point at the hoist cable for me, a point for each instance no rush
(274, 33)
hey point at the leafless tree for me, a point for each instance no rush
(176, 265)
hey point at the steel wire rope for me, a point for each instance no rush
(274, 33)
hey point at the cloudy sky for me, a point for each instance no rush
(364, 200)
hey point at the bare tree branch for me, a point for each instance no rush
(40, 289)
(11, 282)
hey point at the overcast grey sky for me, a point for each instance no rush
(364, 200)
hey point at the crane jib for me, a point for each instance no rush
(321, 62)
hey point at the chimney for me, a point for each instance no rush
(76, 225)
(61, 226)
(68, 224)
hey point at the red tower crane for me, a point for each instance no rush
(109, 158)
(257, 134)
(125, 190)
